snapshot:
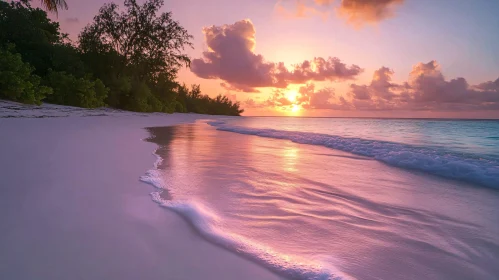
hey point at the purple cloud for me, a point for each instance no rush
(231, 58)
(426, 89)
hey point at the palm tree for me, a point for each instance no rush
(53, 5)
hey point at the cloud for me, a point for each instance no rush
(276, 99)
(324, 2)
(251, 103)
(239, 88)
(307, 98)
(356, 12)
(318, 69)
(489, 86)
(304, 8)
(381, 86)
(72, 20)
(231, 58)
(359, 12)
(425, 89)
(324, 98)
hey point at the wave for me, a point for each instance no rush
(209, 225)
(480, 171)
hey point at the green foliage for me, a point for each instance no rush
(17, 81)
(193, 101)
(73, 91)
(65, 57)
(137, 53)
(119, 90)
(179, 107)
(139, 97)
(124, 59)
(150, 42)
(32, 32)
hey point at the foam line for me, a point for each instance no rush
(480, 171)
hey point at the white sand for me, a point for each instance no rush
(72, 206)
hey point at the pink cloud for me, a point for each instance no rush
(239, 88)
(426, 89)
(251, 103)
(231, 58)
(324, 98)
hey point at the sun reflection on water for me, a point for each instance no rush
(290, 157)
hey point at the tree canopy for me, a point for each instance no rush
(127, 59)
(17, 81)
(150, 42)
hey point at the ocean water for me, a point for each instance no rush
(321, 198)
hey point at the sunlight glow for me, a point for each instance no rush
(291, 95)
(290, 156)
(295, 108)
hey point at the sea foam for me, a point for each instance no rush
(475, 170)
(210, 226)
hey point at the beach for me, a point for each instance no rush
(72, 205)
(299, 140)
(109, 194)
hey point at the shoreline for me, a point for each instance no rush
(72, 205)
(201, 218)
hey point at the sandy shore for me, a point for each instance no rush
(72, 206)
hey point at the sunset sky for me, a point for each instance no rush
(384, 58)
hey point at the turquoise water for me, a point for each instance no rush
(472, 137)
(457, 149)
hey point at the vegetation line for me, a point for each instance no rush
(126, 59)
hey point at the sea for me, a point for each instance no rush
(338, 198)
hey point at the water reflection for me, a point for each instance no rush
(290, 157)
(472, 136)
(311, 204)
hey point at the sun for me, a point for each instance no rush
(295, 108)
(292, 95)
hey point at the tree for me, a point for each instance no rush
(193, 101)
(17, 82)
(150, 43)
(127, 60)
(32, 33)
(73, 91)
(53, 5)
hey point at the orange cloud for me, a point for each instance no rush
(308, 98)
(356, 12)
(324, 2)
(359, 12)
(303, 8)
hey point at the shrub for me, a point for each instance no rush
(79, 92)
(17, 82)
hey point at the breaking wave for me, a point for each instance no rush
(468, 168)
(210, 226)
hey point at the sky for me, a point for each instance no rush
(351, 58)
